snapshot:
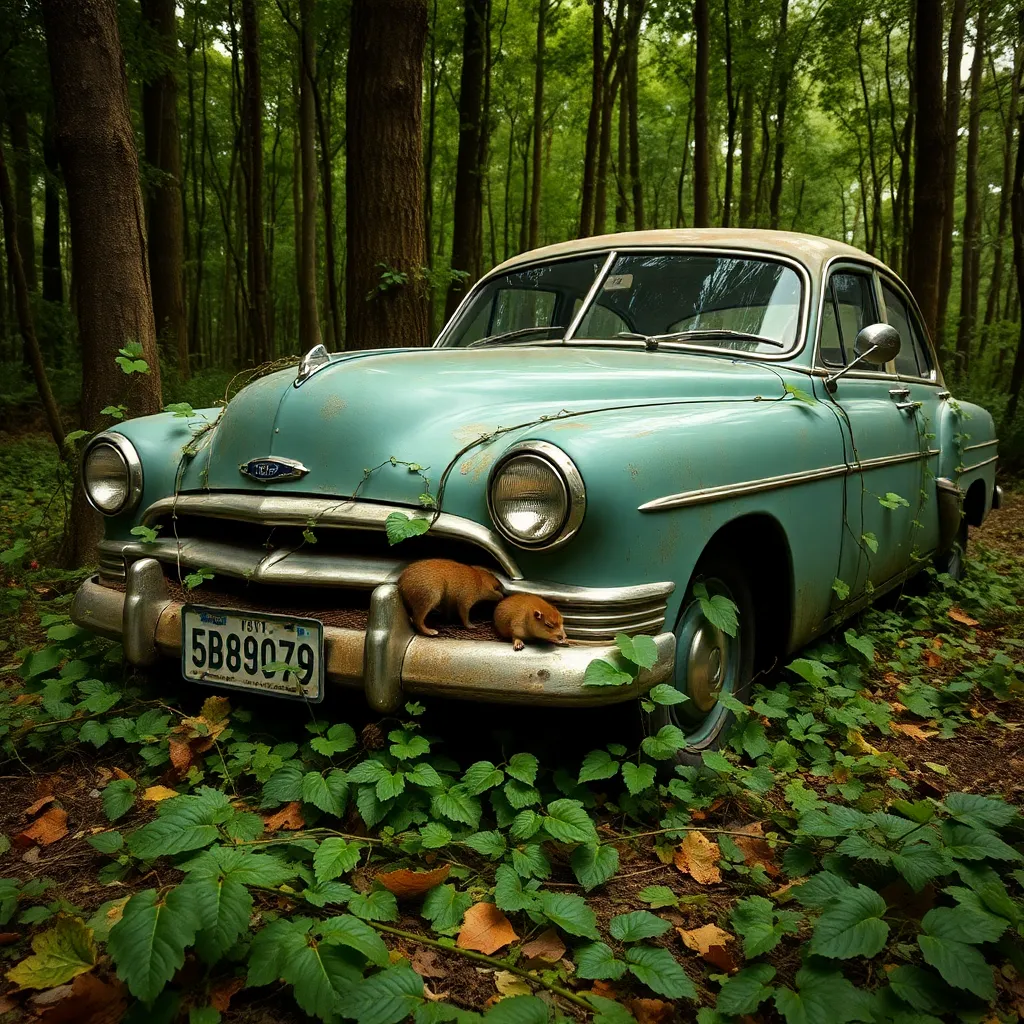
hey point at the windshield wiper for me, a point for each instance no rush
(652, 340)
(522, 332)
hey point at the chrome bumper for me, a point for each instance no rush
(387, 660)
(997, 497)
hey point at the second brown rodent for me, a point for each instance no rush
(451, 586)
(528, 617)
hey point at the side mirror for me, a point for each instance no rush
(878, 344)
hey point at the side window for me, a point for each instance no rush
(913, 360)
(849, 306)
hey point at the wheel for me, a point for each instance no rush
(953, 559)
(709, 662)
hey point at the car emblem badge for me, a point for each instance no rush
(270, 470)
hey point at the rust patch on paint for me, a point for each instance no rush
(568, 425)
(477, 464)
(472, 432)
(333, 406)
(634, 471)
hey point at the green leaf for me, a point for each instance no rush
(518, 1010)
(658, 896)
(659, 970)
(664, 743)
(594, 865)
(180, 409)
(519, 794)
(399, 527)
(743, 993)
(119, 798)
(148, 944)
(530, 861)
(347, 930)
(335, 857)
(919, 863)
(718, 610)
(525, 825)
(224, 907)
(487, 844)
(871, 541)
(842, 590)
(641, 650)
(567, 821)
(761, 928)
(284, 786)
(598, 764)
(966, 843)
(183, 823)
(665, 693)
(204, 1015)
(423, 775)
(509, 894)
(601, 672)
(861, 644)
(329, 793)
(960, 964)
(444, 907)
(638, 777)
(979, 811)
(963, 924)
(386, 997)
(390, 785)
(407, 745)
(597, 961)
(822, 997)
(482, 776)
(569, 912)
(58, 955)
(379, 905)
(799, 394)
(434, 836)
(608, 1011)
(820, 889)
(851, 925)
(523, 767)
(106, 842)
(339, 738)
(637, 925)
(457, 805)
(325, 894)
(919, 988)
(892, 500)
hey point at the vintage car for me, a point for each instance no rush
(607, 423)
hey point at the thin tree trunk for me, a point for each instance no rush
(384, 173)
(929, 164)
(969, 261)
(309, 321)
(951, 134)
(198, 161)
(538, 124)
(612, 76)
(622, 149)
(871, 236)
(908, 140)
(466, 207)
(23, 308)
(1017, 218)
(508, 185)
(701, 156)
(53, 279)
(21, 164)
(746, 139)
(732, 107)
(633, 81)
(780, 115)
(524, 215)
(680, 209)
(592, 143)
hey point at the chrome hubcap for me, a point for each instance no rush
(707, 665)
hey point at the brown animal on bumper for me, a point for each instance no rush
(528, 617)
(451, 586)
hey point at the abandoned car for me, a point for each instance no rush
(607, 423)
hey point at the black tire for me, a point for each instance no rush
(706, 728)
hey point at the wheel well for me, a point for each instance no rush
(974, 503)
(758, 543)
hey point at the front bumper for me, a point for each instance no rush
(387, 660)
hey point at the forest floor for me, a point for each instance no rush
(910, 703)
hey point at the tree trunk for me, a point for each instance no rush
(929, 164)
(780, 115)
(872, 234)
(908, 142)
(466, 207)
(252, 172)
(612, 76)
(969, 262)
(950, 138)
(701, 157)
(21, 163)
(23, 308)
(746, 139)
(622, 149)
(680, 221)
(96, 144)
(1017, 218)
(309, 321)
(164, 220)
(384, 174)
(592, 144)
(732, 108)
(53, 280)
(538, 124)
(633, 82)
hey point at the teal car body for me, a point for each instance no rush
(817, 494)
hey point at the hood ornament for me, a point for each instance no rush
(272, 470)
(315, 359)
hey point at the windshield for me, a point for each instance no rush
(740, 303)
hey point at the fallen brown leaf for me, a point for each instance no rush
(434, 997)
(756, 849)
(701, 939)
(157, 793)
(91, 1001)
(891, 678)
(604, 990)
(50, 996)
(509, 984)
(485, 929)
(424, 963)
(915, 732)
(698, 857)
(215, 709)
(222, 993)
(407, 885)
(959, 615)
(181, 755)
(27, 698)
(650, 1011)
(289, 817)
(35, 808)
(547, 946)
(6, 1005)
(7, 938)
(931, 659)
(120, 773)
(47, 828)
(783, 889)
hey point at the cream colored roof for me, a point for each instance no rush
(810, 250)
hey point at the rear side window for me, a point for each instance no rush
(913, 360)
(849, 307)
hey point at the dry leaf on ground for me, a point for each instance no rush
(485, 929)
(157, 793)
(289, 817)
(35, 808)
(120, 773)
(650, 1011)
(47, 828)
(434, 997)
(509, 984)
(931, 659)
(424, 963)
(959, 615)
(215, 709)
(407, 885)
(698, 857)
(547, 946)
(91, 1001)
(711, 942)
(915, 732)
(7, 938)
(756, 849)
(181, 755)
(222, 993)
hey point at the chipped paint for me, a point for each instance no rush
(472, 432)
(477, 465)
(333, 406)
(634, 471)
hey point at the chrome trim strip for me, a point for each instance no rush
(707, 495)
(127, 451)
(987, 462)
(981, 444)
(589, 297)
(330, 513)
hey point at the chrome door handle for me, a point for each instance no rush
(904, 406)
(899, 392)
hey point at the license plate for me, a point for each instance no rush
(274, 654)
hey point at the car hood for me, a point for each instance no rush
(427, 407)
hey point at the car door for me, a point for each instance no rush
(883, 456)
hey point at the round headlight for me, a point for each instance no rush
(112, 474)
(536, 495)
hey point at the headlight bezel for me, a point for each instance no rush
(571, 480)
(133, 466)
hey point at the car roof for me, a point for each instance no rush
(810, 250)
